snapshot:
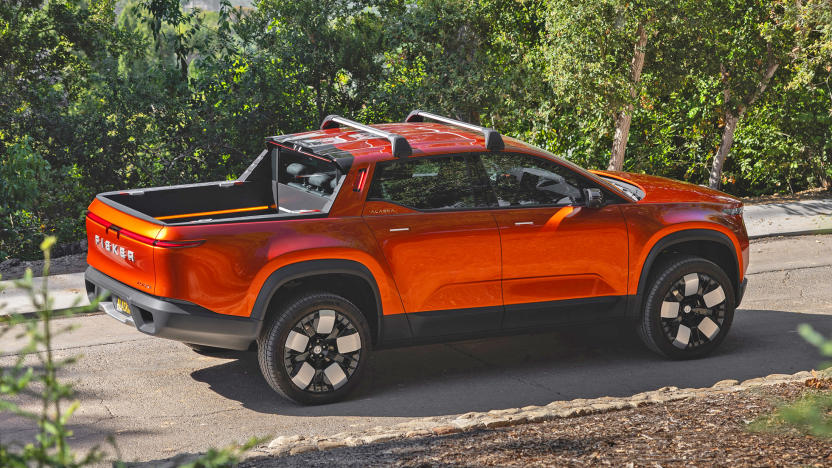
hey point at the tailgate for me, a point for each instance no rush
(121, 246)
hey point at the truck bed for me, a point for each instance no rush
(214, 202)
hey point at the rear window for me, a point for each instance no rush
(307, 173)
(426, 183)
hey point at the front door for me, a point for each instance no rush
(561, 261)
(442, 248)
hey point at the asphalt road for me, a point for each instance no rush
(159, 398)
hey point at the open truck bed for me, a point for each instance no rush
(301, 187)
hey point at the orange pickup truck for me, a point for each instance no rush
(352, 238)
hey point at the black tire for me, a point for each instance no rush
(206, 350)
(284, 360)
(683, 317)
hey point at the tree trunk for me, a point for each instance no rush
(731, 122)
(625, 117)
(619, 140)
(732, 119)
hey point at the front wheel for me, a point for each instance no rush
(688, 309)
(314, 349)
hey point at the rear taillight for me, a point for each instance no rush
(99, 220)
(166, 244)
(177, 244)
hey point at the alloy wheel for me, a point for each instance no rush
(322, 351)
(693, 311)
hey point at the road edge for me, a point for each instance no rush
(444, 425)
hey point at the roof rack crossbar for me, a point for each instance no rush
(493, 139)
(399, 145)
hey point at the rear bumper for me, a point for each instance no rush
(172, 319)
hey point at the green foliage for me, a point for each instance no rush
(812, 413)
(91, 101)
(57, 404)
(51, 447)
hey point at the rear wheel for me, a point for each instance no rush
(688, 309)
(315, 348)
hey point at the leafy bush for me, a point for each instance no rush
(52, 446)
(812, 413)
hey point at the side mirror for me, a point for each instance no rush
(593, 198)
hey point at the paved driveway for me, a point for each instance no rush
(159, 398)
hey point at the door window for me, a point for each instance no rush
(427, 183)
(523, 180)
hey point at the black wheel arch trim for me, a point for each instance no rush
(307, 268)
(635, 302)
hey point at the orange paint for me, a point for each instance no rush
(218, 212)
(443, 260)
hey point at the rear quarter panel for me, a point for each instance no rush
(226, 273)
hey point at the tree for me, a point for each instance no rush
(742, 43)
(596, 51)
(331, 46)
(456, 57)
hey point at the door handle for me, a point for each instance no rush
(399, 229)
(524, 223)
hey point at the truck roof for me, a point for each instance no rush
(424, 138)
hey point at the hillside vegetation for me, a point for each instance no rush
(736, 94)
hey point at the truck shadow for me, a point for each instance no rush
(515, 371)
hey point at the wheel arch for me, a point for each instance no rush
(320, 268)
(706, 243)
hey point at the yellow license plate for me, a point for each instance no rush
(122, 306)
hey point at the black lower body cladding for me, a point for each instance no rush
(172, 319)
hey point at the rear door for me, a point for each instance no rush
(561, 261)
(442, 247)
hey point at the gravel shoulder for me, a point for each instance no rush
(708, 431)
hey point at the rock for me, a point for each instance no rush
(376, 438)
(467, 424)
(602, 407)
(777, 377)
(302, 448)
(444, 430)
(752, 382)
(540, 416)
(726, 383)
(331, 444)
(285, 440)
(493, 423)
(803, 375)
(353, 441)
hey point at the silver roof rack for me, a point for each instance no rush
(493, 139)
(399, 145)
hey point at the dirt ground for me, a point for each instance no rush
(811, 194)
(712, 431)
(15, 268)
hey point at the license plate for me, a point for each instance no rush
(122, 306)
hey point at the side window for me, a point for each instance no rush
(425, 183)
(523, 180)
